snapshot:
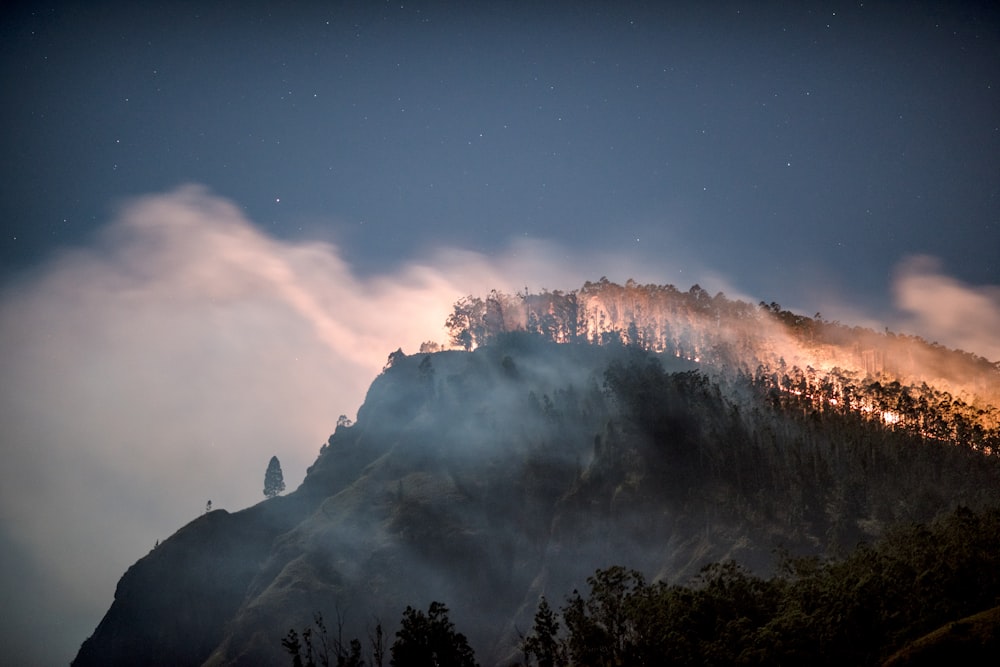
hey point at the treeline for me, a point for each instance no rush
(693, 323)
(903, 381)
(858, 610)
(918, 408)
(755, 454)
(656, 317)
(854, 611)
(422, 639)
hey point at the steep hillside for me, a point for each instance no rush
(488, 478)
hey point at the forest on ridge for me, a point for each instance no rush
(805, 362)
(621, 475)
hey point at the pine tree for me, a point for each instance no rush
(274, 480)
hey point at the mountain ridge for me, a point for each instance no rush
(490, 477)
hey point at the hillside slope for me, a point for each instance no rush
(487, 478)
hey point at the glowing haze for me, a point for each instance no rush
(163, 366)
(944, 309)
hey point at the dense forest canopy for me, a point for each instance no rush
(903, 381)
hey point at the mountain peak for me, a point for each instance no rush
(634, 425)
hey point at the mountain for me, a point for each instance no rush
(631, 425)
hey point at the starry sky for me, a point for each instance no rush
(201, 198)
(787, 144)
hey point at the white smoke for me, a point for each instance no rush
(943, 309)
(163, 366)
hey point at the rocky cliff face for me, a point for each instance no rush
(485, 479)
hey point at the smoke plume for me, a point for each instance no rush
(162, 366)
(943, 309)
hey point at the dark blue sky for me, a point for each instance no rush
(821, 156)
(783, 145)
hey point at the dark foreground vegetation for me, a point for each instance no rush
(852, 611)
(909, 594)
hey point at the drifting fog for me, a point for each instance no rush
(162, 367)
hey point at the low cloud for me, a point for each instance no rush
(943, 309)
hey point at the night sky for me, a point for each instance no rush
(218, 214)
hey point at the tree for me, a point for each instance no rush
(428, 640)
(306, 653)
(602, 628)
(544, 643)
(466, 323)
(377, 641)
(274, 480)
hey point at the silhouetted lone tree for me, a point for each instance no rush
(274, 481)
(430, 640)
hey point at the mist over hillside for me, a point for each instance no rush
(628, 425)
